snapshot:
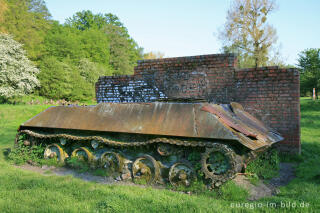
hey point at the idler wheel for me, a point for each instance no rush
(55, 151)
(83, 154)
(146, 168)
(181, 174)
(219, 163)
(111, 161)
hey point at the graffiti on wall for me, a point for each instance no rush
(185, 84)
(131, 91)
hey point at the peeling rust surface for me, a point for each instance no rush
(195, 120)
(227, 119)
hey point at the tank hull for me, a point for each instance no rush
(192, 120)
(157, 142)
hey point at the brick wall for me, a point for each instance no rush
(208, 76)
(270, 93)
(273, 96)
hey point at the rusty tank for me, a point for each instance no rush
(163, 142)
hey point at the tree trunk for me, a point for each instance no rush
(256, 54)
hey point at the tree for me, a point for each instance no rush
(38, 7)
(153, 55)
(28, 21)
(309, 66)
(3, 8)
(17, 73)
(55, 78)
(63, 80)
(124, 51)
(85, 20)
(120, 51)
(247, 33)
(91, 71)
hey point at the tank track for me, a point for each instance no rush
(116, 143)
(215, 180)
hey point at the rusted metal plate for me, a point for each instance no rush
(225, 118)
(159, 118)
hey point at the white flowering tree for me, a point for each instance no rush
(17, 73)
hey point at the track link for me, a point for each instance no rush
(188, 143)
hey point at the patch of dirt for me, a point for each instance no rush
(256, 191)
(286, 174)
(260, 190)
(86, 176)
(61, 171)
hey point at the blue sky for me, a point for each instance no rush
(189, 27)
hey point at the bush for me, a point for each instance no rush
(17, 73)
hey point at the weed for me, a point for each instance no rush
(77, 163)
(23, 154)
(266, 166)
(195, 187)
(140, 181)
(52, 162)
(100, 172)
(254, 179)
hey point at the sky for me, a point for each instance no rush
(190, 27)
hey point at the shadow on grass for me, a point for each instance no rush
(308, 169)
(6, 152)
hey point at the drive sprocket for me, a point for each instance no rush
(219, 163)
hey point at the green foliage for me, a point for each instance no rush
(77, 163)
(197, 186)
(17, 73)
(28, 21)
(254, 179)
(77, 53)
(267, 165)
(100, 172)
(55, 84)
(3, 9)
(124, 51)
(73, 62)
(23, 154)
(66, 42)
(247, 33)
(71, 56)
(309, 66)
(85, 20)
(91, 71)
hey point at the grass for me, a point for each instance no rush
(26, 191)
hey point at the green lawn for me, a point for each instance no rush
(26, 191)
